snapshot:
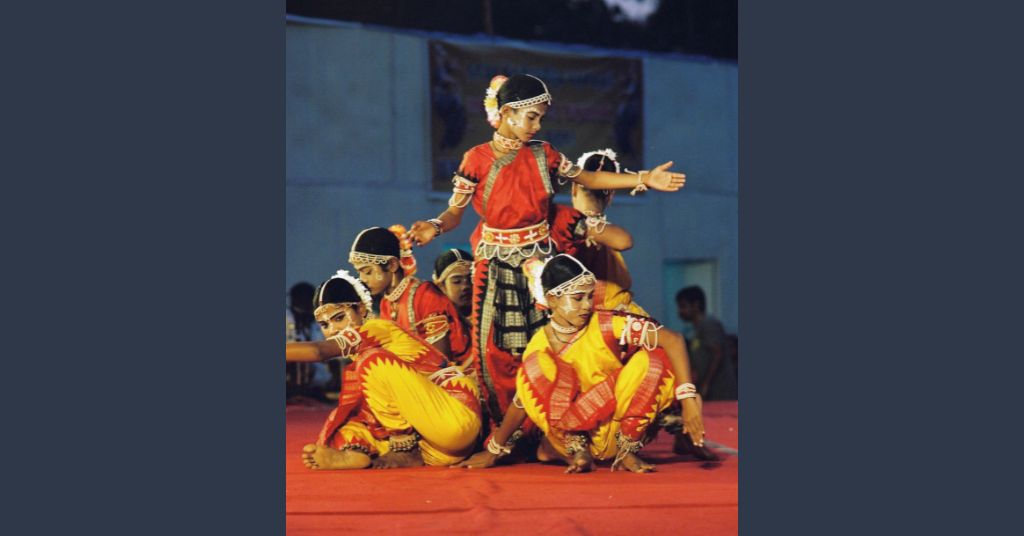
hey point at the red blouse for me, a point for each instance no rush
(434, 314)
(518, 196)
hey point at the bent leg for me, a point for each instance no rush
(402, 399)
(643, 389)
(535, 400)
(349, 448)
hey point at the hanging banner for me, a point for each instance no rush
(597, 103)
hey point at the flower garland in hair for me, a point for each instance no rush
(407, 261)
(534, 268)
(491, 102)
(361, 290)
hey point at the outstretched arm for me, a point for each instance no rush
(658, 178)
(310, 352)
(422, 232)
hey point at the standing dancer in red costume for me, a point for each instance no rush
(511, 181)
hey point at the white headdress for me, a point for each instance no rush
(364, 294)
(358, 257)
(459, 262)
(491, 101)
(536, 269)
(605, 153)
(543, 97)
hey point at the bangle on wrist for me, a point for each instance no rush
(640, 186)
(495, 449)
(686, 390)
(436, 223)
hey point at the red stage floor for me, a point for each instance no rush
(684, 496)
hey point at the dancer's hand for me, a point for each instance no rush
(480, 460)
(663, 180)
(693, 422)
(421, 233)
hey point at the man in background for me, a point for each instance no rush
(307, 380)
(716, 379)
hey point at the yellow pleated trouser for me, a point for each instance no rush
(401, 397)
(602, 436)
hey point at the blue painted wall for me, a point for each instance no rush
(358, 155)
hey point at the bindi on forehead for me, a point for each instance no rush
(326, 312)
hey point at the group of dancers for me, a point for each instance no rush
(529, 348)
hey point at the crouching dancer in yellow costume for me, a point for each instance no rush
(400, 400)
(591, 380)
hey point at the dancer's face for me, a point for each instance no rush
(525, 122)
(376, 277)
(333, 318)
(458, 287)
(573, 309)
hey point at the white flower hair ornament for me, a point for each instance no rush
(491, 102)
(534, 268)
(361, 289)
(605, 153)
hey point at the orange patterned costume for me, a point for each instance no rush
(399, 384)
(595, 384)
(512, 195)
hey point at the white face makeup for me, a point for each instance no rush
(567, 307)
(526, 122)
(573, 309)
(334, 317)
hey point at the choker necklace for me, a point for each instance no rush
(560, 329)
(393, 297)
(507, 144)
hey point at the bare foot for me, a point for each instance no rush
(323, 458)
(582, 462)
(547, 453)
(632, 462)
(683, 445)
(393, 460)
